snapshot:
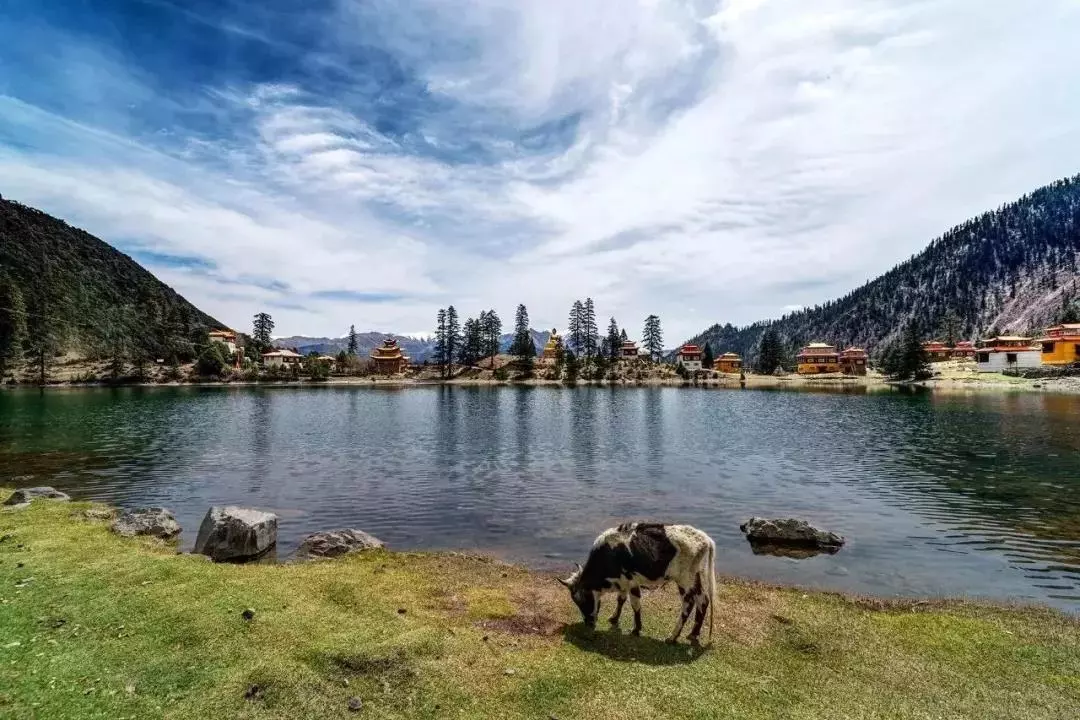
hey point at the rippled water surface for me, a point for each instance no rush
(942, 494)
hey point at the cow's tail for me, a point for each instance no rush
(712, 584)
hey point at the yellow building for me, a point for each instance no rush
(1061, 346)
(728, 363)
(552, 348)
(817, 359)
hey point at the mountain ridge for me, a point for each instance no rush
(1012, 269)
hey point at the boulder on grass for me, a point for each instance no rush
(156, 522)
(235, 534)
(333, 543)
(25, 495)
(791, 532)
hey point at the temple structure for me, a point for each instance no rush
(388, 358)
(225, 337)
(552, 348)
(964, 350)
(936, 351)
(628, 350)
(1061, 346)
(853, 361)
(729, 362)
(1007, 352)
(817, 358)
(689, 356)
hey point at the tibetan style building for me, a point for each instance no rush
(1007, 352)
(817, 359)
(936, 351)
(854, 361)
(1061, 346)
(728, 363)
(964, 350)
(628, 350)
(689, 356)
(388, 358)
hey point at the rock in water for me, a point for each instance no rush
(789, 531)
(25, 495)
(333, 543)
(158, 522)
(235, 534)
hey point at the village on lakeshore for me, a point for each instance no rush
(473, 353)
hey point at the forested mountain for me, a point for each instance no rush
(62, 289)
(418, 349)
(1013, 269)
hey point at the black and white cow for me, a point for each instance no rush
(632, 556)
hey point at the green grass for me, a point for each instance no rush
(115, 628)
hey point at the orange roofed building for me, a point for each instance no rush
(1061, 346)
(628, 350)
(728, 363)
(817, 358)
(854, 361)
(936, 351)
(388, 358)
(964, 350)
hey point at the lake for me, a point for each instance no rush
(938, 494)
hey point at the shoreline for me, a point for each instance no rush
(104, 626)
(990, 383)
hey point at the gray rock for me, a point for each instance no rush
(235, 534)
(789, 531)
(333, 543)
(158, 522)
(355, 704)
(25, 495)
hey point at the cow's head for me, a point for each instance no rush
(586, 600)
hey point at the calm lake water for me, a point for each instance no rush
(938, 494)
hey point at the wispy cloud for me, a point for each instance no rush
(367, 162)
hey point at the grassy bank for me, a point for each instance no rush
(93, 625)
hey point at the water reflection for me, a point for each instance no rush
(957, 493)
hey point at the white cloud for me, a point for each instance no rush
(739, 158)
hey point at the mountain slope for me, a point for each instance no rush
(82, 294)
(1010, 270)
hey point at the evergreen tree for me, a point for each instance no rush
(441, 349)
(570, 367)
(354, 341)
(623, 336)
(575, 328)
(522, 345)
(472, 343)
(707, 357)
(906, 359)
(652, 337)
(950, 328)
(770, 352)
(614, 339)
(453, 337)
(12, 326)
(490, 332)
(262, 329)
(590, 335)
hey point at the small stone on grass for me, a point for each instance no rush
(355, 704)
(248, 614)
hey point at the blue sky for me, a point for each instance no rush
(366, 162)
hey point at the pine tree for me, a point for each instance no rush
(770, 353)
(950, 326)
(623, 336)
(906, 359)
(354, 341)
(590, 335)
(441, 349)
(570, 367)
(707, 356)
(453, 337)
(652, 337)
(575, 328)
(262, 332)
(12, 326)
(472, 343)
(490, 332)
(614, 339)
(522, 345)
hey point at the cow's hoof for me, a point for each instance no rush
(694, 641)
(671, 641)
(636, 632)
(613, 621)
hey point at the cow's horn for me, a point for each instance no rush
(563, 582)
